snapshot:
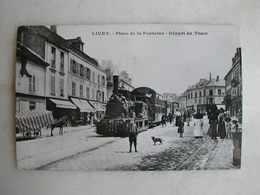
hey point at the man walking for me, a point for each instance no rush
(170, 116)
(132, 130)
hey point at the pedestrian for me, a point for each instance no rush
(213, 121)
(132, 131)
(221, 124)
(234, 126)
(170, 116)
(180, 124)
(227, 122)
(198, 124)
(163, 120)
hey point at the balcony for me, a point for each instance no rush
(234, 82)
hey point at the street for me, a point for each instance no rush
(80, 148)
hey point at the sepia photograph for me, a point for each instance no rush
(146, 97)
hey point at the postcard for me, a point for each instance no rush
(146, 97)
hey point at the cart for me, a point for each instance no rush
(30, 122)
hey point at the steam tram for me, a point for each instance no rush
(156, 105)
(143, 105)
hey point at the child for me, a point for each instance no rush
(234, 126)
(227, 122)
(180, 126)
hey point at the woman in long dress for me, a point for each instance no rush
(221, 124)
(198, 125)
(213, 121)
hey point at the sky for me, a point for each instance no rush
(166, 58)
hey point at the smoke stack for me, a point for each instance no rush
(115, 83)
(54, 28)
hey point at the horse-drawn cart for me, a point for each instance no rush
(30, 122)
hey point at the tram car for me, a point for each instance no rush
(157, 106)
(120, 110)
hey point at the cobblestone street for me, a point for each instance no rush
(84, 150)
(189, 154)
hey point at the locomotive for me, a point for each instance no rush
(120, 110)
(142, 104)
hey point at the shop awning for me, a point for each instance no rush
(98, 106)
(33, 119)
(63, 104)
(83, 105)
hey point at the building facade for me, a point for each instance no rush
(30, 80)
(71, 84)
(86, 82)
(233, 86)
(206, 92)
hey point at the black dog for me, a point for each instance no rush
(157, 139)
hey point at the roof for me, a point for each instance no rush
(22, 50)
(214, 82)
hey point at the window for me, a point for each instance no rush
(191, 95)
(97, 95)
(211, 92)
(81, 91)
(73, 88)
(52, 85)
(103, 96)
(88, 74)
(200, 93)
(103, 81)
(53, 57)
(81, 70)
(32, 82)
(73, 66)
(219, 91)
(87, 92)
(204, 92)
(99, 79)
(93, 94)
(61, 87)
(32, 105)
(61, 61)
(93, 77)
(195, 94)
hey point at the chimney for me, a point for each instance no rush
(54, 28)
(115, 83)
(217, 78)
(210, 76)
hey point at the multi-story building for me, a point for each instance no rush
(182, 102)
(233, 81)
(30, 79)
(86, 82)
(74, 84)
(172, 102)
(206, 92)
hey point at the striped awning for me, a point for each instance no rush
(83, 105)
(63, 104)
(33, 119)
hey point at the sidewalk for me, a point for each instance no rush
(222, 156)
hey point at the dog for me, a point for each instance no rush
(157, 139)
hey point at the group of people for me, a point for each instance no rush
(220, 125)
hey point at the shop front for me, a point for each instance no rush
(62, 109)
(100, 109)
(85, 111)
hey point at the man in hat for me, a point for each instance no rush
(132, 131)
